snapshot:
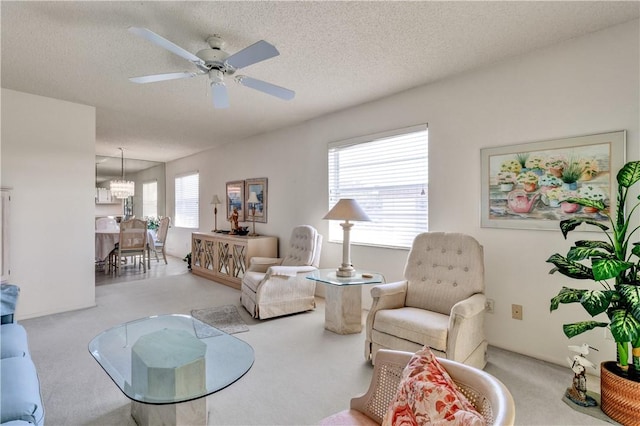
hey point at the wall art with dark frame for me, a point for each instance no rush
(523, 186)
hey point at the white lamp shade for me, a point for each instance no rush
(347, 209)
(253, 198)
(216, 200)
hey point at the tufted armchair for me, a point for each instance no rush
(273, 287)
(440, 303)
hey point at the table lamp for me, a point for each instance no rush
(215, 201)
(346, 209)
(253, 200)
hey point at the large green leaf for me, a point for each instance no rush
(569, 268)
(636, 249)
(569, 225)
(596, 301)
(572, 330)
(580, 253)
(598, 204)
(631, 295)
(596, 244)
(566, 295)
(624, 327)
(629, 174)
(603, 269)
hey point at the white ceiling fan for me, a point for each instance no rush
(216, 63)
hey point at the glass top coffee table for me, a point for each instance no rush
(170, 359)
(343, 298)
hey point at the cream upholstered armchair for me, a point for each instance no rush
(273, 287)
(439, 304)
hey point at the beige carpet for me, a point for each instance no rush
(225, 318)
(301, 374)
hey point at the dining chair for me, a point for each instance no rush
(161, 237)
(132, 242)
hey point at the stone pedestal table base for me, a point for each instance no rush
(183, 413)
(343, 309)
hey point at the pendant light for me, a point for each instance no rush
(122, 188)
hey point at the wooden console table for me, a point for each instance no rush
(224, 258)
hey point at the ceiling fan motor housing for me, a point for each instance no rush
(214, 57)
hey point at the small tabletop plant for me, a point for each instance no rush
(613, 263)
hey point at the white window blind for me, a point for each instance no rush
(387, 174)
(150, 199)
(187, 201)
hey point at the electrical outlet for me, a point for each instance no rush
(488, 306)
(516, 312)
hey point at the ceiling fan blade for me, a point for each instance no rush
(162, 77)
(165, 44)
(257, 52)
(219, 95)
(268, 88)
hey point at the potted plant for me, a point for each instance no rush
(593, 193)
(529, 181)
(590, 169)
(549, 180)
(506, 181)
(570, 175)
(555, 195)
(513, 166)
(555, 165)
(522, 158)
(535, 163)
(615, 265)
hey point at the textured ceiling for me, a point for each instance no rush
(333, 54)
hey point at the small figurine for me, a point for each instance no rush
(577, 393)
(234, 221)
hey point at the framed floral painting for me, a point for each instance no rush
(259, 187)
(526, 186)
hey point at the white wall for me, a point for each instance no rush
(48, 157)
(583, 86)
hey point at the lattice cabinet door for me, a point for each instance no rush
(238, 260)
(197, 252)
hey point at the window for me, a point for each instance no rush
(187, 201)
(387, 174)
(150, 199)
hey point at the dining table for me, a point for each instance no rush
(106, 240)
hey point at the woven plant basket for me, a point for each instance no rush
(620, 397)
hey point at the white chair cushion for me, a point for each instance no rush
(442, 269)
(416, 325)
(301, 246)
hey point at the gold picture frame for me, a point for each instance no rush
(235, 198)
(259, 186)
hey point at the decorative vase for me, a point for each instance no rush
(587, 209)
(620, 396)
(530, 187)
(570, 186)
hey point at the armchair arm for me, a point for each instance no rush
(289, 271)
(261, 264)
(466, 327)
(385, 296)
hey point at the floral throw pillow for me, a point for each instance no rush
(427, 396)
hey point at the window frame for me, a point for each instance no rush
(403, 242)
(177, 217)
(154, 181)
